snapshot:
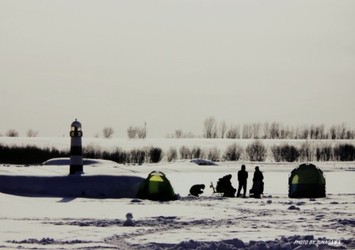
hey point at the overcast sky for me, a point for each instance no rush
(173, 63)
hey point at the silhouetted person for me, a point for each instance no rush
(224, 185)
(258, 184)
(197, 189)
(242, 181)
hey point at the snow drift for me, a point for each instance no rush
(85, 185)
(101, 186)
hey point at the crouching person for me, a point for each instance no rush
(224, 185)
(197, 189)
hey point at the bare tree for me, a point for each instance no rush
(142, 132)
(233, 132)
(32, 133)
(256, 130)
(12, 133)
(247, 131)
(333, 132)
(131, 132)
(172, 154)
(222, 129)
(233, 152)
(107, 132)
(256, 151)
(275, 130)
(179, 133)
(210, 128)
(136, 132)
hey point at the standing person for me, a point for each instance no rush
(242, 180)
(258, 184)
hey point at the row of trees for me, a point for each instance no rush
(275, 130)
(107, 132)
(15, 133)
(255, 151)
(214, 129)
(258, 152)
(307, 152)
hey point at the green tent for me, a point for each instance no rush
(157, 187)
(306, 181)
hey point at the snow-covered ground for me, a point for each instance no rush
(206, 222)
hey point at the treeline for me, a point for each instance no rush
(255, 151)
(133, 156)
(215, 129)
(28, 154)
(274, 130)
(308, 152)
(32, 155)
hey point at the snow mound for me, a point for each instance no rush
(203, 162)
(91, 186)
(65, 161)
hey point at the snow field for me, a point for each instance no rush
(72, 223)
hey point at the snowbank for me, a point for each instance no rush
(85, 185)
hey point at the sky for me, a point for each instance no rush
(171, 64)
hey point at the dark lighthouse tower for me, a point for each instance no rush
(76, 150)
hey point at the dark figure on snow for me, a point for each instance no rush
(224, 185)
(242, 180)
(197, 189)
(258, 185)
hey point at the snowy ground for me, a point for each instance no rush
(207, 222)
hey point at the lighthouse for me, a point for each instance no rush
(76, 150)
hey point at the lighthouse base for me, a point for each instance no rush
(76, 169)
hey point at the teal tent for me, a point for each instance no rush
(306, 181)
(157, 187)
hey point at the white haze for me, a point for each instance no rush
(172, 64)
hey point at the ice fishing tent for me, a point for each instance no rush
(157, 187)
(306, 181)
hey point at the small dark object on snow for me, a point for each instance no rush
(293, 208)
(129, 220)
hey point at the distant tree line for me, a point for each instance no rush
(274, 130)
(15, 133)
(309, 152)
(255, 151)
(214, 129)
(137, 132)
(28, 154)
(179, 133)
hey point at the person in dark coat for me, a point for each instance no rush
(224, 185)
(242, 181)
(258, 184)
(197, 189)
